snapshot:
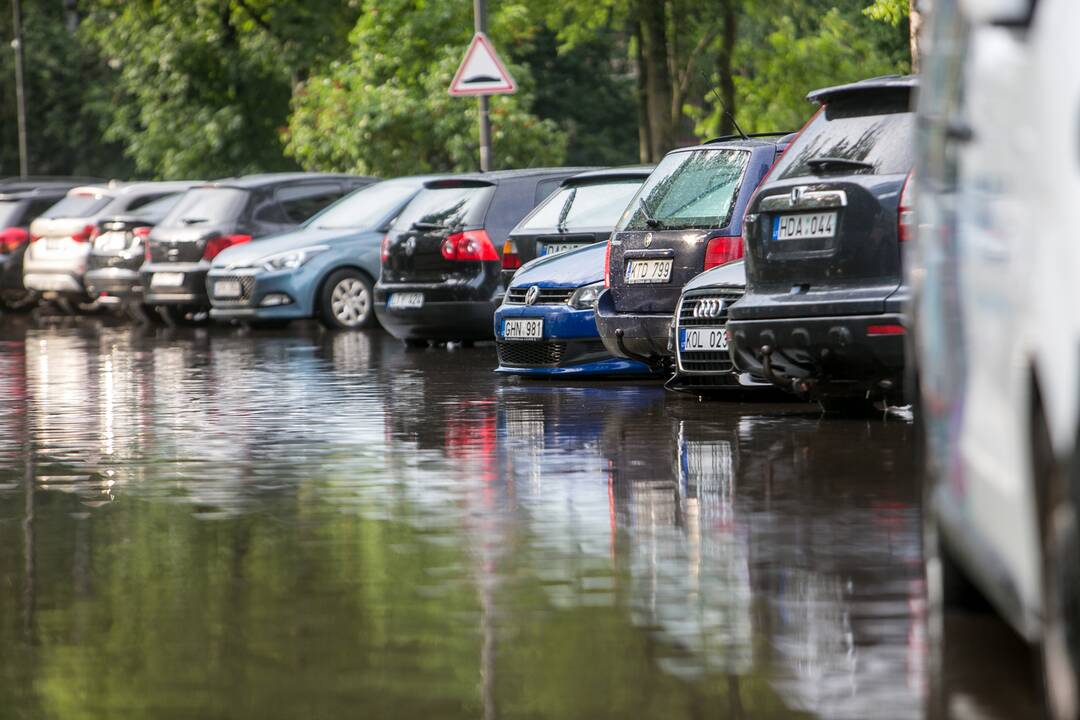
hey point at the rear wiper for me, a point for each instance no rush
(418, 225)
(193, 221)
(825, 162)
(650, 221)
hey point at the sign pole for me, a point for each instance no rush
(20, 92)
(480, 24)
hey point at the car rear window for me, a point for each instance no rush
(76, 205)
(596, 205)
(694, 189)
(10, 213)
(159, 207)
(458, 206)
(206, 206)
(878, 129)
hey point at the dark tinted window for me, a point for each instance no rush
(447, 206)
(694, 189)
(80, 204)
(11, 213)
(545, 188)
(877, 129)
(144, 200)
(206, 206)
(303, 201)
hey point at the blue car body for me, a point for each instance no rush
(570, 344)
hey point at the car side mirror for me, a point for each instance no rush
(998, 12)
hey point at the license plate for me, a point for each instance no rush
(404, 301)
(804, 226)
(111, 242)
(227, 289)
(558, 248)
(703, 339)
(523, 329)
(648, 271)
(167, 279)
(57, 245)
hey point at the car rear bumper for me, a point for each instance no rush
(834, 356)
(644, 335)
(190, 292)
(117, 282)
(458, 320)
(53, 282)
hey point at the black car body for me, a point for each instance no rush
(581, 212)
(214, 216)
(685, 219)
(822, 309)
(442, 261)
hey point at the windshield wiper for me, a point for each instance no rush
(418, 225)
(193, 221)
(650, 221)
(824, 162)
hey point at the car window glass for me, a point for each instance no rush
(159, 207)
(447, 206)
(545, 188)
(694, 189)
(11, 212)
(38, 206)
(206, 206)
(879, 130)
(80, 204)
(593, 205)
(302, 201)
(270, 211)
(143, 200)
(547, 215)
(365, 207)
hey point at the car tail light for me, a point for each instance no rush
(885, 330)
(905, 214)
(12, 238)
(141, 232)
(385, 253)
(84, 235)
(607, 264)
(94, 234)
(510, 259)
(469, 246)
(216, 244)
(723, 249)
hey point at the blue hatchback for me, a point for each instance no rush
(546, 324)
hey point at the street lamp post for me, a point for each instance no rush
(480, 23)
(20, 92)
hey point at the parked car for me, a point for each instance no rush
(993, 331)
(55, 262)
(118, 250)
(21, 201)
(547, 325)
(824, 293)
(685, 219)
(218, 215)
(584, 210)
(325, 269)
(442, 260)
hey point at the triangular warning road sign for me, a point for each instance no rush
(481, 72)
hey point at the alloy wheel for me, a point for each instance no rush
(350, 302)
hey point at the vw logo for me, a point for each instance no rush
(410, 246)
(709, 308)
(797, 195)
(648, 239)
(532, 295)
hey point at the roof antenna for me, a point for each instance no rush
(729, 116)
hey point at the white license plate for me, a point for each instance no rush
(226, 289)
(57, 245)
(558, 248)
(404, 301)
(804, 226)
(523, 329)
(648, 271)
(166, 279)
(703, 339)
(111, 242)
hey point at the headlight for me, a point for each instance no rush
(584, 298)
(291, 259)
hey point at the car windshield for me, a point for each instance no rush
(876, 133)
(206, 206)
(79, 204)
(365, 207)
(450, 207)
(10, 212)
(694, 189)
(596, 205)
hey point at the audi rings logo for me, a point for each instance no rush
(410, 246)
(709, 308)
(532, 295)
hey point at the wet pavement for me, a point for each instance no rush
(218, 523)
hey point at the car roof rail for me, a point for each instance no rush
(747, 136)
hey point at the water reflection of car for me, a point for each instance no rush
(582, 211)
(685, 219)
(547, 324)
(325, 269)
(821, 312)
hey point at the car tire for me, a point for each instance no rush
(347, 301)
(1059, 651)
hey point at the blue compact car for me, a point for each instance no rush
(546, 324)
(325, 269)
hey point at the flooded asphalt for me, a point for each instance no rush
(217, 523)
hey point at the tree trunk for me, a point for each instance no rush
(725, 68)
(658, 88)
(915, 20)
(644, 136)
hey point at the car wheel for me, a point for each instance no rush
(1060, 647)
(346, 301)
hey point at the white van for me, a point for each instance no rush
(995, 333)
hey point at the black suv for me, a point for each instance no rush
(822, 311)
(214, 216)
(685, 219)
(442, 261)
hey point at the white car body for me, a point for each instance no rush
(994, 272)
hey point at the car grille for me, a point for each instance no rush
(530, 354)
(247, 285)
(706, 361)
(548, 296)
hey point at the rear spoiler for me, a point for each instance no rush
(446, 183)
(607, 176)
(748, 136)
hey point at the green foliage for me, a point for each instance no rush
(892, 12)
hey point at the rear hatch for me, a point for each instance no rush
(72, 217)
(120, 238)
(202, 223)
(822, 234)
(439, 237)
(661, 242)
